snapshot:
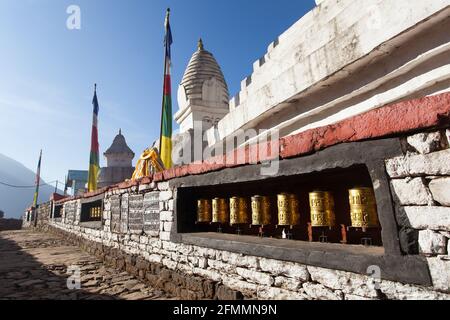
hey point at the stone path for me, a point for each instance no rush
(35, 266)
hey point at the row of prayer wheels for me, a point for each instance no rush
(258, 211)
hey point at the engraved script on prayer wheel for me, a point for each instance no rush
(363, 208)
(220, 211)
(204, 211)
(239, 211)
(288, 210)
(261, 211)
(322, 209)
(295, 209)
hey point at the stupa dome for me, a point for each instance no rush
(203, 82)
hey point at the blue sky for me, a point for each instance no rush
(47, 71)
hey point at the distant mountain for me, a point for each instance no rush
(14, 201)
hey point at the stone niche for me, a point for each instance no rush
(336, 181)
(335, 169)
(91, 212)
(57, 211)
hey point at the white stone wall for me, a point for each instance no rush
(258, 277)
(330, 44)
(421, 189)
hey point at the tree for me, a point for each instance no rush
(2, 214)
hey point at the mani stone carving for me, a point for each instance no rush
(115, 214)
(151, 213)
(135, 215)
(124, 213)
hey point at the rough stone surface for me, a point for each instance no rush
(433, 164)
(320, 292)
(425, 143)
(409, 240)
(440, 273)
(347, 282)
(279, 294)
(432, 243)
(422, 218)
(411, 192)
(35, 266)
(287, 269)
(398, 291)
(440, 189)
(255, 276)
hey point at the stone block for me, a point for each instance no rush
(425, 143)
(433, 164)
(281, 268)
(163, 186)
(422, 218)
(164, 236)
(170, 205)
(165, 195)
(221, 266)
(202, 263)
(208, 274)
(255, 276)
(411, 192)
(432, 243)
(440, 189)
(270, 293)
(168, 226)
(287, 283)
(320, 292)
(349, 283)
(166, 216)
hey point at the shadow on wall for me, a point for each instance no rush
(22, 277)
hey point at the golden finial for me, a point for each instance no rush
(200, 45)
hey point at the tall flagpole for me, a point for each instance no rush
(94, 162)
(165, 71)
(166, 110)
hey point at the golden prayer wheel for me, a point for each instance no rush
(261, 211)
(288, 210)
(220, 211)
(363, 208)
(322, 209)
(204, 211)
(239, 211)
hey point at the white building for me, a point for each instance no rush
(119, 166)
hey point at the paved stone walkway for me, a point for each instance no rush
(34, 266)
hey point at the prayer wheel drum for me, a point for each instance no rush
(261, 211)
(239, 211)
(363, 208)
(322, 209)
(204, 211)
(220, 211)
(288, 210)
